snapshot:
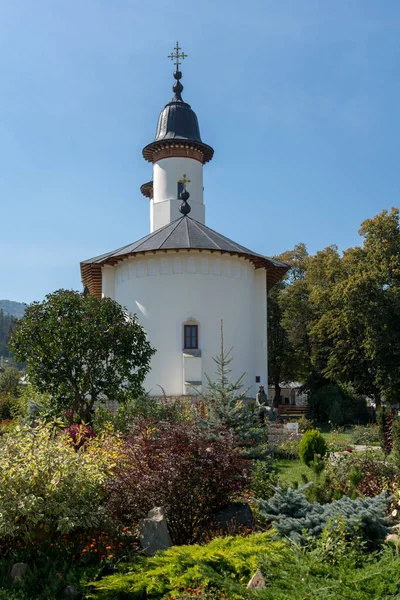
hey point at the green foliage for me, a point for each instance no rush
(147, 407)
(288, 448)
(293, 516)
(366, 473)
(224, 405)
(7, 322)
(365, 435)
(47, 487)
(263, 479)
(10, 381)
(385, 420)
(340, 316)
(337, 404)
(312, 443)
(333, 570)
(305, 424)
(222, 564)
(82, 350)
(396, 440)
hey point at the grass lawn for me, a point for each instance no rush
(290, 471)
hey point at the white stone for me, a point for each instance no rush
(18, 571)
(153, 532)
(257, 582)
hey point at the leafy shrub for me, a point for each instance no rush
(305, 424)
(80, 434)
(312, 443)
(288, 449)
(179, 466)
(332, 571)
(263, 479)
(293, 516)
(363, 472)
(122, 420)
(365, 435)
(385, 420)
(224, 564)
(338, 404)
(45, 486)
(396, 440)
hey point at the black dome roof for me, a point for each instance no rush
(177, 123)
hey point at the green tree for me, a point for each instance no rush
(7, 322)
(82, 350)
(357, 329)
(289, 313)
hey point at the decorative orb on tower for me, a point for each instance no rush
(177, 148)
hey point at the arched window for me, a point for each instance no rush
(190, 336)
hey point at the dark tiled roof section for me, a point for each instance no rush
(183, 234)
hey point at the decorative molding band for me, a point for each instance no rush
(181, 151)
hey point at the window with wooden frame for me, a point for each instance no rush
(190, 337)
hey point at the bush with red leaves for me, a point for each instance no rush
(191, 472)
(80, 434)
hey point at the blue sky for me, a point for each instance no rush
(299, 98)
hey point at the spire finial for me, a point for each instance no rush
(175, 56)
(177, 88)
(184, 196)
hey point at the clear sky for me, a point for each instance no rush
(299, 98)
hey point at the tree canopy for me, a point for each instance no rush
(339, 314)
(82, 350)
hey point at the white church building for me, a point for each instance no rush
(183, 278)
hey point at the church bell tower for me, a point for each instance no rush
(178, 155)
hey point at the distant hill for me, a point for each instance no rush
(15, 309)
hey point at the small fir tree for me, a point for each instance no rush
(225, 405)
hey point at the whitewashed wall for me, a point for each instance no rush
(165, 290)
(164, 206)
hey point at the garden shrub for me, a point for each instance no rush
(305, 424)
(385, 420)
(364, 472)
(143, 407)
(312, 443)
(225, 564)
(288, 449)
(192, 473)
(339, 404)
(79, 433)
(263, 479)
(47, 487)
(293, 516)
(365, 435)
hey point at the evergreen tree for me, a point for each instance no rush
(225, 405)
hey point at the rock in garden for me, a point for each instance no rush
(237, 514)
(257, 582)
(71, 592)
(18, 571)
(393, 538)
(153, 532)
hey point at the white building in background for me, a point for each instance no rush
(183, 278)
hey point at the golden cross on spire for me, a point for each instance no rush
(175, 56)
(184, 181)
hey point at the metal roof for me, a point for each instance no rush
(177, 123)
(182, 234)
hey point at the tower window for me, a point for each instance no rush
(191, 337)
(180, 189)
